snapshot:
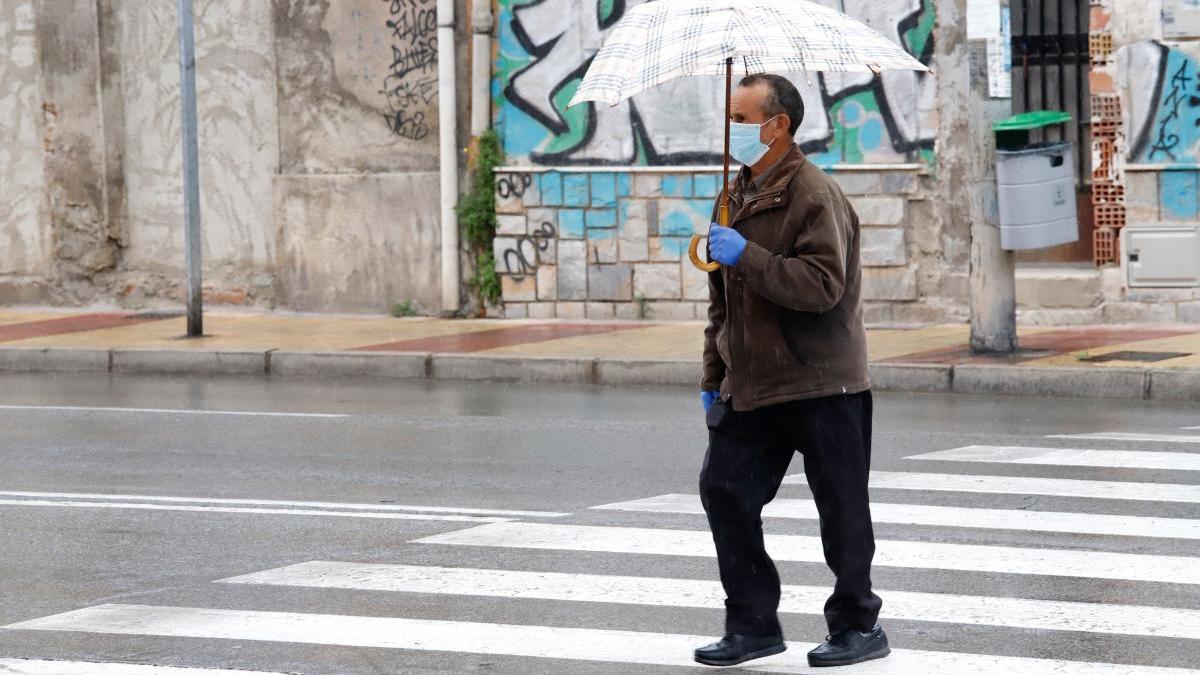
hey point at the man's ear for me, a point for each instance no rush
(786, 122)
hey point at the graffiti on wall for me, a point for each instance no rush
(521, 260)
(411, 81)
(546, 46)
(1164, 109)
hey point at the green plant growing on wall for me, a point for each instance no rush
(477, 217)
(402, 309)
(643, 306)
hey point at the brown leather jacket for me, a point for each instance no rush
(786, 322)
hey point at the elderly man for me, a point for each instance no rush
(785, 370)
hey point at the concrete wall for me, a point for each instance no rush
(25, 241)
(318, 152)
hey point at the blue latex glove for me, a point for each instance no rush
(725, 245)
(708, 398)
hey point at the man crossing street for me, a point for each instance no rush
(785, 371)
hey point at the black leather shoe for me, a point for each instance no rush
(734, 649)
(850, 646)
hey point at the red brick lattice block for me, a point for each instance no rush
(1100, 48)
(1104, 151)
(1106, 127)
(1111, 216)
(1106, 243)
(1106, 192)
(1106, 107)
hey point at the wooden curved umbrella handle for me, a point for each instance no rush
(694, 254)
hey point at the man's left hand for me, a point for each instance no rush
(725, 245)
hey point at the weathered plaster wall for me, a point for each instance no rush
(358, 115)
(24, 238)
(357, 86)
(235, 84)
(301, 104)
(357, 241)
(85, 241)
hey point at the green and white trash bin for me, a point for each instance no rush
(1035, 184)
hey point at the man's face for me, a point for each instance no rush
(746, 106)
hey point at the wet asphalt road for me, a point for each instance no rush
(498, 448)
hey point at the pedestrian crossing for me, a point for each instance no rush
(951, 516)
(1027, 485)
(1083, 617)
(46, 667)
(643, 538)
(1119, 459)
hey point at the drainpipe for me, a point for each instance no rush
(481, 66)
(447, 105)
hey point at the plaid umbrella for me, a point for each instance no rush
(659, 41)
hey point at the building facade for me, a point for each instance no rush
(597, 204)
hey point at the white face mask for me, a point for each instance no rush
(745, 145)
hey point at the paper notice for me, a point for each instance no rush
(999, 59)
(983, 19)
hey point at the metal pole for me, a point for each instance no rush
(191, 170)
(447, 128)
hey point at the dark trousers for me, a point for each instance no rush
(748, 455)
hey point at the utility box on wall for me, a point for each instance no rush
(1166, 256)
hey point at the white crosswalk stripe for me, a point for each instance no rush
(1086, 617)
(44, 667)
(278, 504)
(1026, 485)
(1113, 459)
(580, 644)
(889, 553)
(1126, 436)
(950, 516)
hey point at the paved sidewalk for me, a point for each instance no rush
(1161, 362)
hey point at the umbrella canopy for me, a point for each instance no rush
(659, 41)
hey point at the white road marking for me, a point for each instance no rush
(889, 553)
(44, 667)
(1027, 485)
(579, 644)
(277, 503)
(951, 516)
(1118, 436)
(1114, 459)
(1084, 617)
(165, 411)
(258, 511)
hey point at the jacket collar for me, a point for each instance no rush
(779, 178)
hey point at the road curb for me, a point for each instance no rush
(398, 365)
(189, 362)
(1168, 384)
(648, 372)
(911, 377)
(1119, 383)
(55, 360)
(551, 370)
(1164, 384)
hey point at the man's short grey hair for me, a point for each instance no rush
(782, 98)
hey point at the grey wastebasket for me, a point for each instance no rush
(1035, 185)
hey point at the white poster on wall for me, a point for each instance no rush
(1181, 18)
(983, 19)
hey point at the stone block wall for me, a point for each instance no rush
(604, 243)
